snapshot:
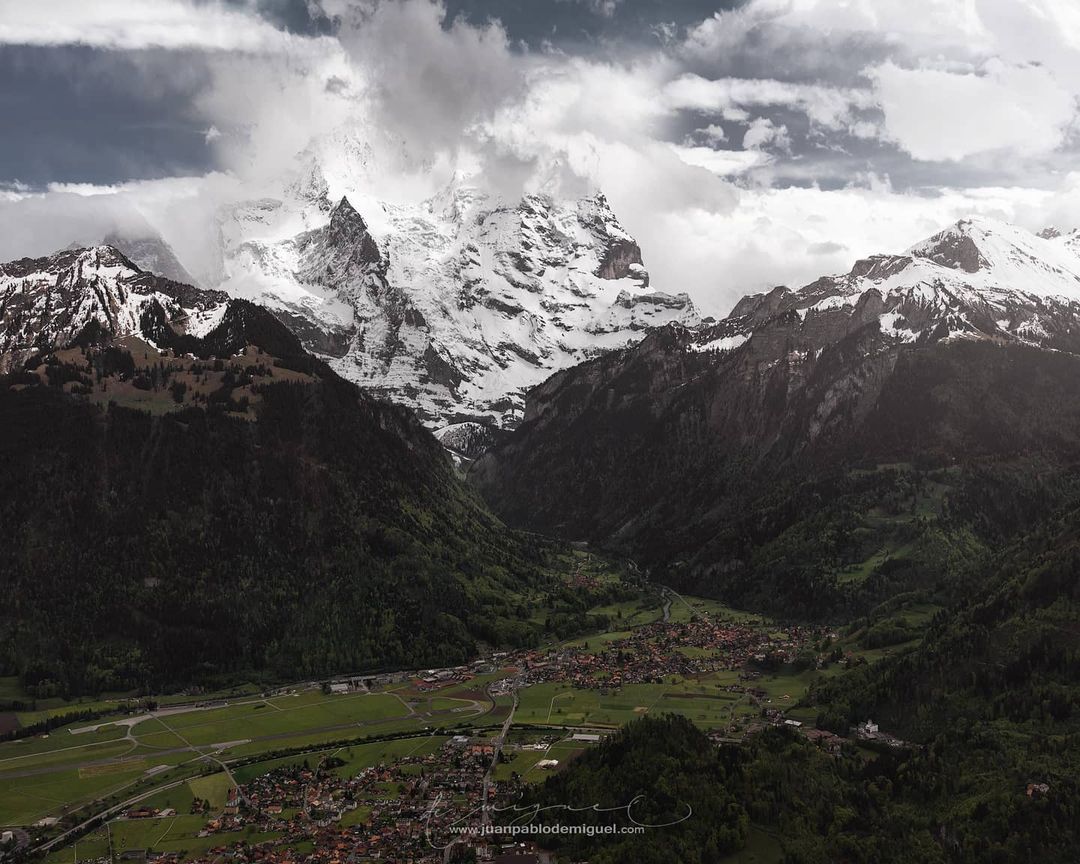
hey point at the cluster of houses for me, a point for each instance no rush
(651, 653)
(407, 811)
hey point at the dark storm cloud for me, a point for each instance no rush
(292, 16)
(77, 114)
(567, 23)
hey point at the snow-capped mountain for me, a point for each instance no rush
(46, 302)
(455, 306)
(977, 279)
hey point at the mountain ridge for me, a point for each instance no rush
(45, 302)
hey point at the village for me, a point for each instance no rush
(655, 652)
(414, 807)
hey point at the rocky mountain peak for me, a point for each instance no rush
(955, 247)
(348, 233)
(978, 279)
(342, 251)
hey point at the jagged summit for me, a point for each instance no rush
(454, 306)
(348, 231)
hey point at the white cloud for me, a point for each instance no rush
(830, 107)
(713, 133)
(125, 25)
(762, 133)
(940, 115)
(181, 210)
(726, 163)
(823, 38)
(268, 108)
(429, 83)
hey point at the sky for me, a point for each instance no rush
(745, 143)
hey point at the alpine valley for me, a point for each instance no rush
(234, 539)
(539, 432)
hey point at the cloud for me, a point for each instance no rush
(603, 8)
(712, 134)
(429, 79)
(181, 210)
(267, 109)
(763, 133)
(726, 163)
(123, 25)
(936, 114)
(829, 42)
(830, 107)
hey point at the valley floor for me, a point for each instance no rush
(179, 780)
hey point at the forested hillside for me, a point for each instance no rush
(816, 494)
(780, 793)
(172, 517)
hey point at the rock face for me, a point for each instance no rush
(150, 254)
(467, 441)
(960, 349)
(455, 306)
(46, 302)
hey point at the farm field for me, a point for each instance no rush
(704, 700)
(74, 765)
(180, 832)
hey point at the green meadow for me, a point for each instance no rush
(56, 774)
